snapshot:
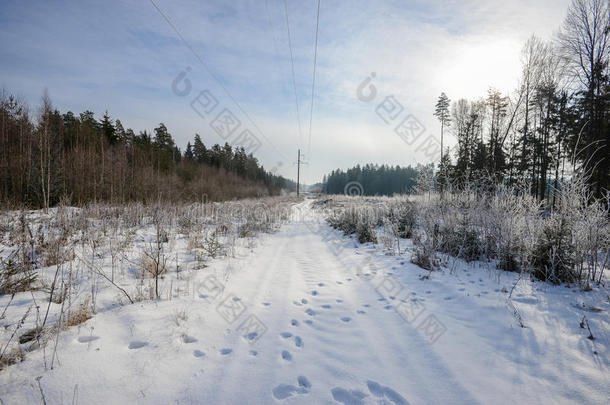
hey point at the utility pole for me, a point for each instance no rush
(299, 162)
(298, 170)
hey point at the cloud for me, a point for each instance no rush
(123, 57)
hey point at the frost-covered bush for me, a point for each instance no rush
(366, 231)
(513, 223)
(17, 270)
(505, 225)
(448, 225)
(574, 242)
(462, 242)
(403, 215)
(426, 236)
(356, 219)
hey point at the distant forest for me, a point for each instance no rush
(373, 179)
(50, 156)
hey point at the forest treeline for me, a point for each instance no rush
(373, 180)
(48, 156)
(555, 124)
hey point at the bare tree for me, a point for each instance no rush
(44, 146)
(584, 41)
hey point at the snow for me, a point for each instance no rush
(308, 316)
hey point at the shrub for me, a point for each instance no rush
(553, 258)
(424, 254)
(356, 220)
(574, 243)
(212, 246)
(15, 276)
(404, 216)
(463, 242)
(366, 232)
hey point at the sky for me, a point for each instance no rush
(194, 65)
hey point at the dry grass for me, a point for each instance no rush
(14, 356)
(81, 315)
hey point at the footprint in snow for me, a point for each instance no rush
(360, 311)
(286, 355)
(355, 397)
(188, 339)
(388, 307)
(253, 353)
(308, 321)
(266, 304)
(87, 339)
(294, 322)
(304, 382)
(351, 397)
(339, 282)
(310, 312)
(284, 391)
(251, 336)
(339, 301)
(314, 293)
(366, 305)
(304, 301)
(198, 353)
(298, 341)
(321, 284)
(346, 319)
(136, 344)
(286, 335)
(226, 351)
(326, 306)
(388, 393)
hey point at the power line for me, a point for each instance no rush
(294, 83)
(216, 78)
(313, 82)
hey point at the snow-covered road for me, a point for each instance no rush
(330, 334)
(313, 317)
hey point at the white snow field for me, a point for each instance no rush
(310, 316)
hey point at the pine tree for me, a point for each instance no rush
(442, 113)
(199, 151)
(443, 176)
(188, 153)
(108, 129)
(163, 139)
(120, 133)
